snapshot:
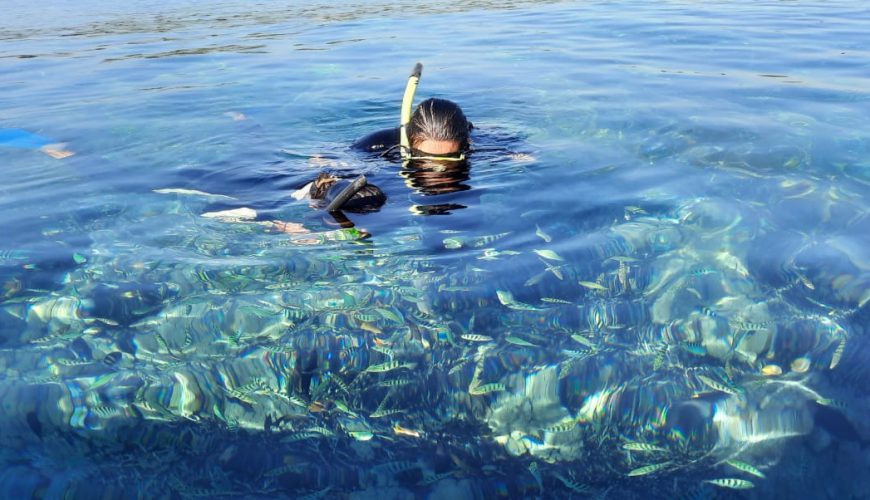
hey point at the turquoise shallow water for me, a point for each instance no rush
(655, 265)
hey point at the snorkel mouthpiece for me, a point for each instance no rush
(407, 102)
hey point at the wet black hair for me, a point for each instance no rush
(439, 120)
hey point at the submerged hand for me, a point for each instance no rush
(289, 227)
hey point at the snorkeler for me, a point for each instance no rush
(432, 142)
(437, 131)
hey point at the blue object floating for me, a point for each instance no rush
(20, 138)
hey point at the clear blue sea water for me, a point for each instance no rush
(650, 282)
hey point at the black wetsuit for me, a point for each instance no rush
(378, 142)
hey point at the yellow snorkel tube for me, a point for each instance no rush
(407, 102)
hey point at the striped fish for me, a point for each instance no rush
(838, 353)
(648, 469)
(473, 337)
(395, 382)
(719, 386)
(555, 301)
(745, 467)
(480, 390)
(635, 446)
(241, 396)
(380, 413)
(483, 241)
(732, 483)
(389, 366)
(564, 426)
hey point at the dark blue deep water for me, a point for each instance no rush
(651, 280)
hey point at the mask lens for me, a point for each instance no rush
(416, 154)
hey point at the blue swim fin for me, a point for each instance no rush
(20, 138)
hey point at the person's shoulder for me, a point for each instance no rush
(377, 141)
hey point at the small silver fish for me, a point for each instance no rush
(321, 430)
(398, 382)
(592, 285)
(833, 403)
(548, 254)
(389, 366)
(365, 317)
(564, 426)
(73, 362)
(473, 337)
(480, 390)
(445, 288)
(805, 281)
(241, 396)
(519, 341)
(648, 469)
(554, 269)
(380, 413)
(388, 315)
(555, 301)
(541, 234)
(452, 243)
(483, 241)
(646, 447)
(534, 280)
(493, 254)
(507, 299)
(745, 467)
(719, 386)
(732, 483)
(838, 353)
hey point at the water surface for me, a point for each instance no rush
(656, 262)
